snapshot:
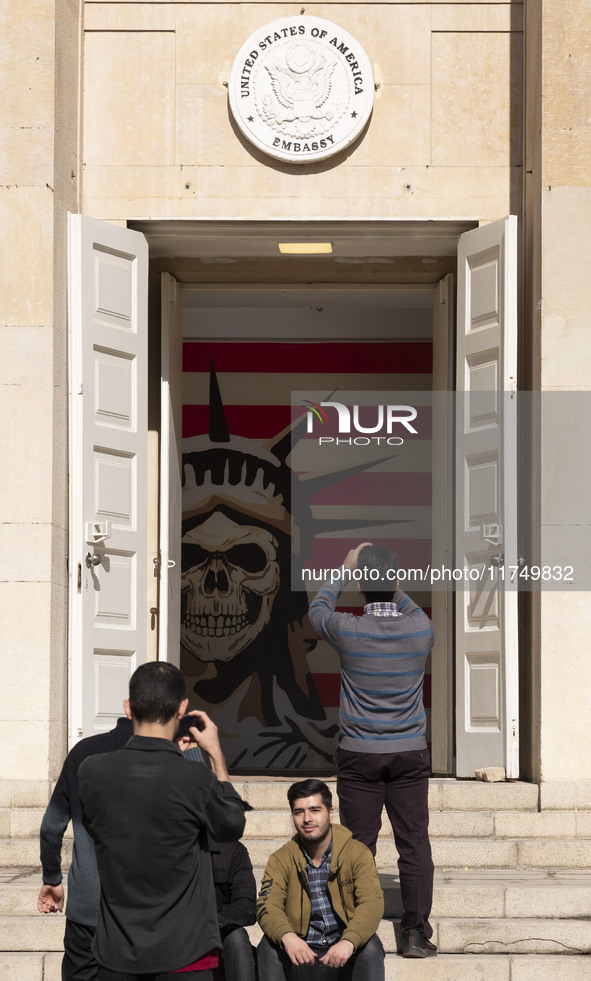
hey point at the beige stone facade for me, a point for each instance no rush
(119, 111)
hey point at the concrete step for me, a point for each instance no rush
(448, 853)
(24, 822)
(471, 853)
(452, 824)
(487, 894)
(453, 935)
(270, 793)
(444, 967)
(444, 794)
(23, 852)
(447, 823)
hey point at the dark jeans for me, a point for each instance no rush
(366, 964)
(237, 958)
(78, 963)
(366, 782)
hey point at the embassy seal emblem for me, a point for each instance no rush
(301, 89)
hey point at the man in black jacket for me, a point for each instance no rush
(235, 893)
(233, 879)
(148, 811)
(84, 890)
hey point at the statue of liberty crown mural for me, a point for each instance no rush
(245, 635)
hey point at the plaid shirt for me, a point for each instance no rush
(381, 610)
(324, 928)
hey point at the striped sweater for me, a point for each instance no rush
(382, 671)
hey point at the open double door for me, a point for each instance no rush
(125, 584)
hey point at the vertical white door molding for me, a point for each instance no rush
(171, 406)
(442, 526)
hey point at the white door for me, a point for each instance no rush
(486, 500)
(442, 537)
(107, 299)
(171, 392)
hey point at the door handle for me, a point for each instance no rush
(93, 559)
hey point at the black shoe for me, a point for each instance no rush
(414, 944)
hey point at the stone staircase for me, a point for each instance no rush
(512, 895)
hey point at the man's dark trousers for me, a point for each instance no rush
(366, 782)
(79, 962)
(366, 964)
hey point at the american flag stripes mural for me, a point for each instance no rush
(248, 651)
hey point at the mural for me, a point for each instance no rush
(246, 641)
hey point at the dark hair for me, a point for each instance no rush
(307, 788)
(385, 562)
(156, 690)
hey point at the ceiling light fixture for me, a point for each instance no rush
(305, 248)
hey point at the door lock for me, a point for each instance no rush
(97, 531)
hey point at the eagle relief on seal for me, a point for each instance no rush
(304, 101)
(301, 89)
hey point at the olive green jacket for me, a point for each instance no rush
(284, 903)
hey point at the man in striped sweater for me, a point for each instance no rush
(382, 758)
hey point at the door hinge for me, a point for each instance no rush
(158, 566)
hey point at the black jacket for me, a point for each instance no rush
(83, 881)
(148, 808)
(235, 886)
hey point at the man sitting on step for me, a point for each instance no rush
(320, 901)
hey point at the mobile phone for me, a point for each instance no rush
(187, 722)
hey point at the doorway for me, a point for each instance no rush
(113, 621)
(276, 698)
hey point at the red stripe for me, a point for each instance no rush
(380, 489)
(253, 421)
(311, 357)
(329, 689)
(265, 421)
(427, 691)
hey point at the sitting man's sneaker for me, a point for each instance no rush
(414, 944)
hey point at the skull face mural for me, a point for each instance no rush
(229, 582)
(245, 637)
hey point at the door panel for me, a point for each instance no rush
(486, 499)
(108, 269)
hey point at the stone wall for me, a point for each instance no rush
(565, 324)
(157, 140)
(38, 183)
(444, 139)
